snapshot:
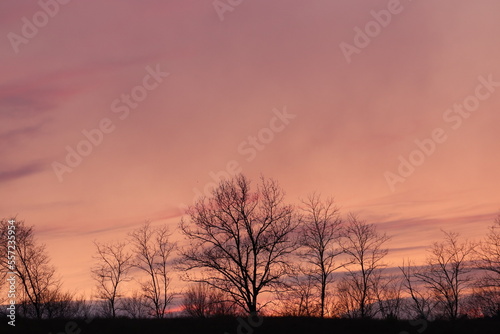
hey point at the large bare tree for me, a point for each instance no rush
(152, 250)
(365, 248)
(37, 277)
(447, 273)
(111, 269)
(240, 239)
(320, 240)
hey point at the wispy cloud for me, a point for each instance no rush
(22, 171)
(27, 132)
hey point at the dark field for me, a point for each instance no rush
(269, 325)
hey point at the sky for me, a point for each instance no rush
(117, 112)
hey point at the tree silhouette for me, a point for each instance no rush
(364, 247)
(422, 302)
(201, 301)
(113, 263)
(320, 239)
(486, 295)
(447, 272)
(37, 277)
(298, 297)
(240, 239)
(488, 255)
(152, 250)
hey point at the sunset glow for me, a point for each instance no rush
(117, 112)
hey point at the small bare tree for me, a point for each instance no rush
(196, 302)
(486, 295)
(152, 250)
(240, 239)
(201, 301)
(388, 293)
(488, 256)
(113, 263)
(349, 298)
(422, 302)
(136, 306)
(447, 272)
(365, 249)
(67, 306)
(297, 298)
(37, 277)
(320, 240)
(484, 301)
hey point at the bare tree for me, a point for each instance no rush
(136, 306)
(201, 301)
(298, 297)
(447, 272)
(488, 256)
(111, 269)
(196, 302)
(365, 249)
(67, 306)
(486, 295)
(484, 301)
(422, 300)
(320, 239)
(37, 277)
(152, 249)
(240, 239)
(388, 293)
(350, 297)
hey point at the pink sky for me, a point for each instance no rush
(227, 79)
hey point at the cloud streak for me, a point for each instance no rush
(20, 172)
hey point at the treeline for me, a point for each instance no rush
(246, 251)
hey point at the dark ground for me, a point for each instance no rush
(253, 326)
